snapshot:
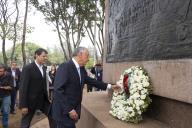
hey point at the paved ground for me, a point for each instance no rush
(41, 124)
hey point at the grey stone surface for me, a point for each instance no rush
(95, 114)
(176, 114)
(169, 78)
(148, 30)
(41, 124)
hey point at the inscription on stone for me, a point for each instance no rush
(149, 30)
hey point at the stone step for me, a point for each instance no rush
(95, 114)
(41, 124)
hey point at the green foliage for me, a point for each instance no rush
(55, 56)
(11, 35)
(90, 63)
(29, 49)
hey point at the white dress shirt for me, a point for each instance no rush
(77, 67)
(40, 68)
(14, 75)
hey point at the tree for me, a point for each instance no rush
(72, 18)
(97, 15)
(54, 55)
(68, 16)
(15, 29)
(24, 32)
(10, 27)
(7, 11)
(29, 50)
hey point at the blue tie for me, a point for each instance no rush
(79, 72)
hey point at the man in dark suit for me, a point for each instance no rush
(33, 89)
(98, 72)
(15, 72)
(6, 85)
(68, 88)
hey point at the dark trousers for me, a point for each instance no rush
(50, 94)
(27, 118)
(66, 122)
(63, 125)
(13, 99)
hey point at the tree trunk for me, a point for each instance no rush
(15, 30)
(61, 42)
(4, 52)
(24, 33)
(68, 45)
(58, 31)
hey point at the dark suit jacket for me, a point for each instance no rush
(33, 88)
(17, 73)
(68, 91)
(98, 73)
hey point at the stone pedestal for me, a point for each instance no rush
(95, 114)
(156, 35)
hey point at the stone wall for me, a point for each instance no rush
(171, 78)
(167, 60)
(148, 30)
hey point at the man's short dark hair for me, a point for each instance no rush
(39, 51)
(2, 66)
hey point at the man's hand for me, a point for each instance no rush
(116, 88)
(73, 115)
(24, 111)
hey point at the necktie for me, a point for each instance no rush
(79, 72)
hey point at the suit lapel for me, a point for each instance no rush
(75, 70)
(82, 75)
(37, 69)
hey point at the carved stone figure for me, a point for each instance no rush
(149, 30)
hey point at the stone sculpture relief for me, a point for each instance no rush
(149, 30)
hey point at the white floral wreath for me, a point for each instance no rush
(129, 104)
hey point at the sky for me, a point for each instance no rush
(42, 33)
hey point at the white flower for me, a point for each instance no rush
(140, 87)
(131, 108)
(143, 97)
(145, 84)
(139, 112)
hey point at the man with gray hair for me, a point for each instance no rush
(68, 88)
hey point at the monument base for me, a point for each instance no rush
(95, 114)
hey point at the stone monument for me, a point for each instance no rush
(137, 29)
(157, 35)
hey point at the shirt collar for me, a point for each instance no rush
(75, 62)
(38, 65)
(13, 70)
